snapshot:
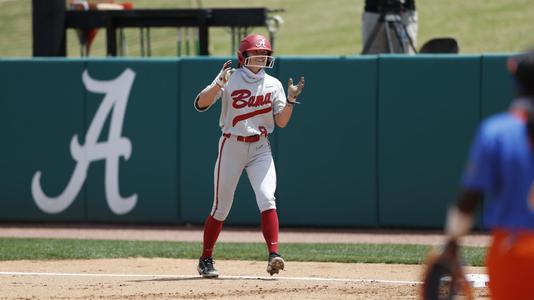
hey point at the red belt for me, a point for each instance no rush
(246, 139)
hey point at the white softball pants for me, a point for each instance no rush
(235, 156)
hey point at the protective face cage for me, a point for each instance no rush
(269, 61)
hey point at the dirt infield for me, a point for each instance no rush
(142, 278)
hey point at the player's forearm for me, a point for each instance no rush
(469, 200)
(460, 217)
(207, 96)
(283, 117)
(293, 91)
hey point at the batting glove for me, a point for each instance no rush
(293, 91)
(224, 75)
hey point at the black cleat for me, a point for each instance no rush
(275, 264)
(206, 268)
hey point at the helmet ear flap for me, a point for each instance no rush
(240, 58)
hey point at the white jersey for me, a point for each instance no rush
(249, 103)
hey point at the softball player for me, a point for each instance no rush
(252, 102)
(501, 166)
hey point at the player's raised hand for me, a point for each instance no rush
(293, 91)
(224, 74)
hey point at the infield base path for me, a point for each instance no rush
(144, 278)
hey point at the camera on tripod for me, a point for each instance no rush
(389, 34)
(391, 6)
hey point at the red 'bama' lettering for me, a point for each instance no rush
(260, 100)
(242, 98)
(239, 97)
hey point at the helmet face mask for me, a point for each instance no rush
(268, 64)
(255, 42)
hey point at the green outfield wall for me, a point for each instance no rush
(378, 141)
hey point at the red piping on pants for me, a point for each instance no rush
(218, 175)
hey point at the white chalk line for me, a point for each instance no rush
(477, 280)
(197, 277)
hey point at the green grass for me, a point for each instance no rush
(312, 27)
(53, 249)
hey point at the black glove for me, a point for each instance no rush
(444, 277)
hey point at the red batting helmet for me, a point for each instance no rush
(252, 42)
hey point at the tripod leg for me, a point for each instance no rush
(372, 37)
(388, 36)
(410, 40)
(399, 36)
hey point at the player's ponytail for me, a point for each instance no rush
(522, 67)
(530, 128)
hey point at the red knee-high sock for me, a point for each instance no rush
(269, 227)
(212, 228)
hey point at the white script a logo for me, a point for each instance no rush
(116, 97)
(261, 43)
